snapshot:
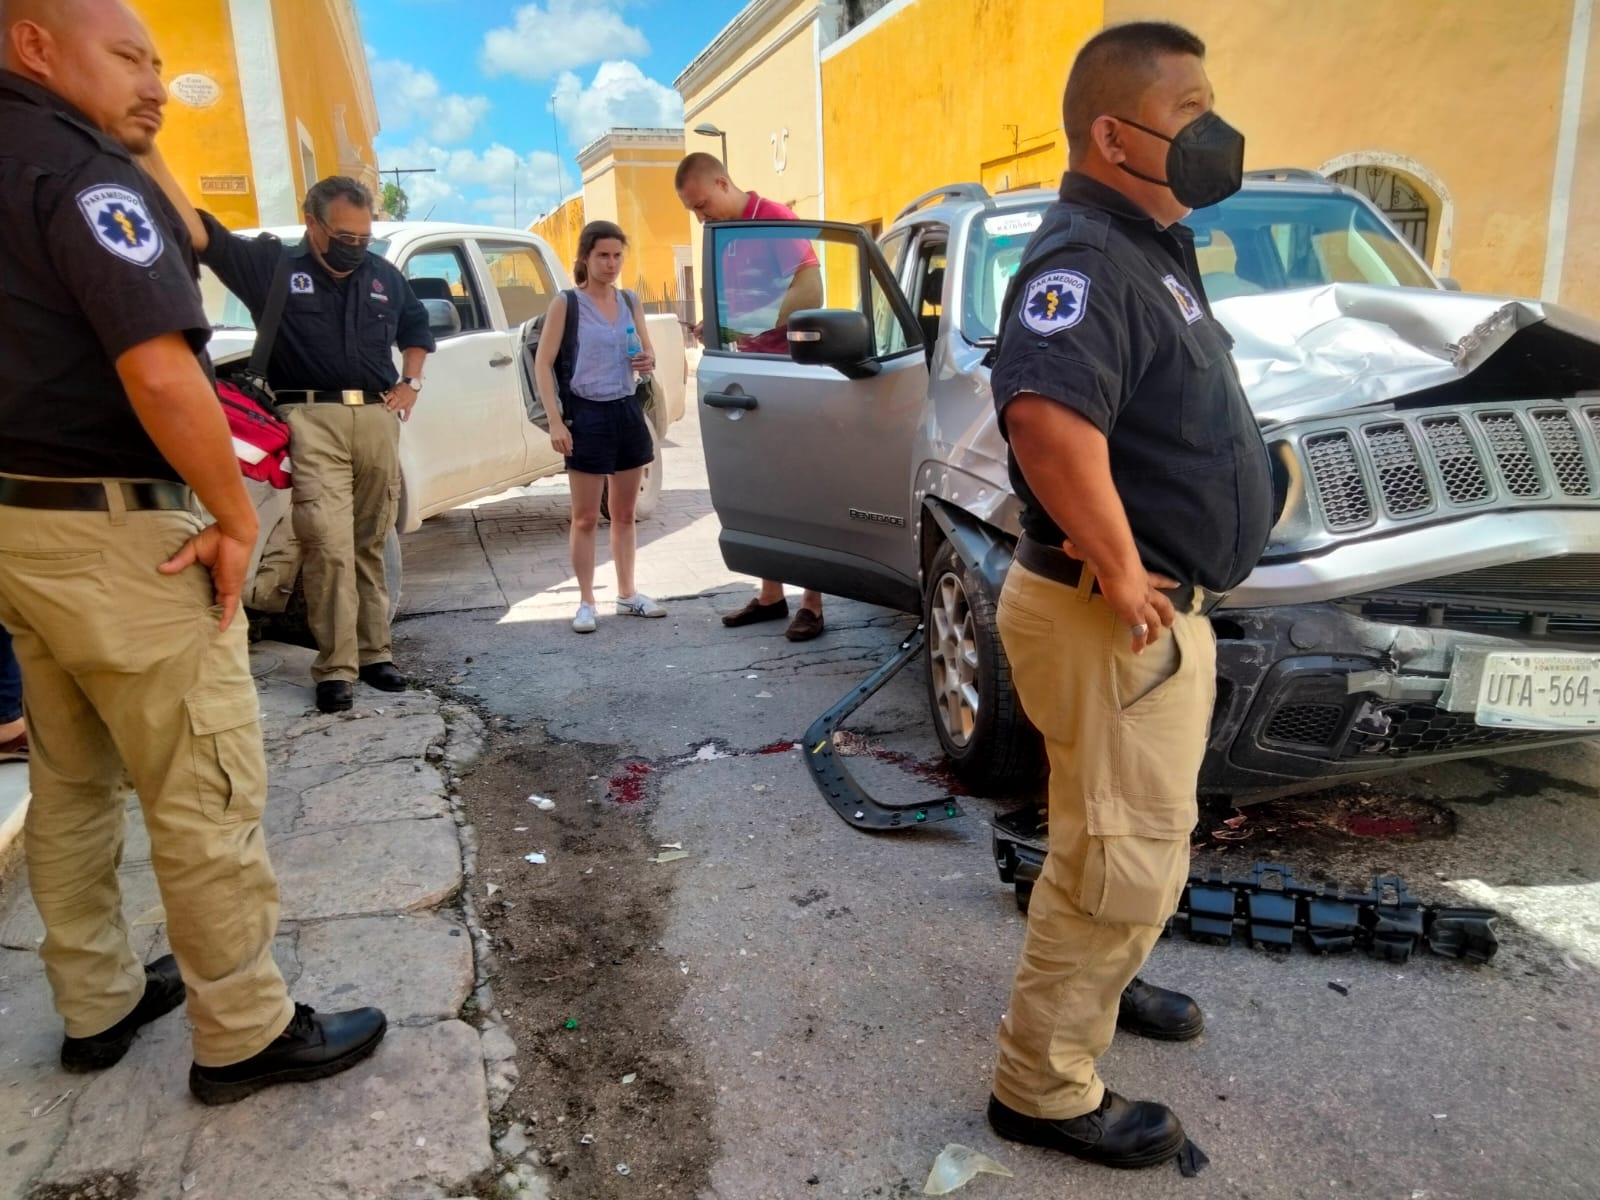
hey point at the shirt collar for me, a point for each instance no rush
(30, 92)
(1082, 189)
(751, 204)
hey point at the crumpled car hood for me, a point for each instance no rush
(1345, 347)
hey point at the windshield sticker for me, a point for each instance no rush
(1055, 301)
(1009, 224)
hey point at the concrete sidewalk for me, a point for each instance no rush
(369, 860)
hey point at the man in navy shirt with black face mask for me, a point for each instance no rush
(332, 371)
(1146, 496)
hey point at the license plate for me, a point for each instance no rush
(1540, 691)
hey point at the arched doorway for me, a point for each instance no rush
(1412, 196)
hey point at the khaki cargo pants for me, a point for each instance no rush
(346, 497)
(1125, 735)
(124, 673)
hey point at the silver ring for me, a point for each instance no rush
(1140, 630)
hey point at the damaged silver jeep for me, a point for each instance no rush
(1431, 589)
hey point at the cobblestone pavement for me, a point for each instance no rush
(362, 836)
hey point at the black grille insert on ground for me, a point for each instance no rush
(1306, 724)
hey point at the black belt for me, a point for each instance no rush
(1060, 567)
(354, 397)
(76, 496)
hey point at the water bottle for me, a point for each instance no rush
(635, 346)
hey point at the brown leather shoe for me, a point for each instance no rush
(805, 626)
(756, 611)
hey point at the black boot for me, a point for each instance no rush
(335, 695)
(1157, 1013)
(163, 992)
(384, 676)
(1120, 1133)
(312, 1047)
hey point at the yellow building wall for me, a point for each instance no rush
(196, 37)
(654, 220)
(319, 79)
(947, 91)
(1471, 90)
(561, 229)
(778, 94)
(1580, 275)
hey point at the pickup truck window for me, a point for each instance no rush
(522, 279)
(441, 274)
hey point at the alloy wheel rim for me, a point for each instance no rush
(953, 660)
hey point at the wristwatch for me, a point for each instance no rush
(414, 384)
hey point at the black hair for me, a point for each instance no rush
(1112, 72)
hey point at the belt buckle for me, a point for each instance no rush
(354, 398)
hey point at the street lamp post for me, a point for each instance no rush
(706, 129)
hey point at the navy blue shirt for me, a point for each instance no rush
(93, 262)
(1107, 316)
(335, 333)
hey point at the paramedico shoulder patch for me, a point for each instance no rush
(121, 223)
(1054, 301)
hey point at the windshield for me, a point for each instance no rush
(1256, 241)
(226, 311)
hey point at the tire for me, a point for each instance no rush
(649, 486)
(992, 746)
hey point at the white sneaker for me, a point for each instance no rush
(639, 605)
(584, 621)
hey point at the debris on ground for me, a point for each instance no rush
(536, 858)
(1191, 1160)
(667, 856)
(542, 803)
(1339, 987)
(957, 1166)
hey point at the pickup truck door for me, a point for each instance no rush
(524, 284)
(810, 468)
(463, 437)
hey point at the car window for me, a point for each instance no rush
(994, 254)
(764, 274)
(441, 274)
(521, 278)
(885, 321)
(1270, 240)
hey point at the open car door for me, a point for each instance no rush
(813, 388)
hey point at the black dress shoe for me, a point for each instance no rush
(163, 992)
(384, 676)
(312, 1047)
(335, 695)
(1120, 1133)
(1155, 1012)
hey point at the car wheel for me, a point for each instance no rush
(649, 486)
(990, 743)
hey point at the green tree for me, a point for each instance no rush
(395, 201)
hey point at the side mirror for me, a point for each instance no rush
(840, 338)
(1450, 285)
(443, 319)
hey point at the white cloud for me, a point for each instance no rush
(497, 186)
(561, 35)
(621, 94)
(409, 97)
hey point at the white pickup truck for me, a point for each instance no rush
(478, 428)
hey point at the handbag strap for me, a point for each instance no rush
(271, 318)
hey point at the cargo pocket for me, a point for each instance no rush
(229, 764)
(1133, 880)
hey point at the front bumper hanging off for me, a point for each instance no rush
(1273, 910)
(847, 797)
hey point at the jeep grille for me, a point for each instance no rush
(1403, 468)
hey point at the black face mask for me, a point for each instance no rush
(343, 259)
(1205, 162)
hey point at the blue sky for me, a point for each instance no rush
(482, 89)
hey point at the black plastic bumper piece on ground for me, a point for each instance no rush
(847, 797)
(1273, 910)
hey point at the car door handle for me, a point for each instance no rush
(730, 400)
(500, 360)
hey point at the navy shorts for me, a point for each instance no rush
(608, 435)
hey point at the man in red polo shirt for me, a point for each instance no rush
(763, 281)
